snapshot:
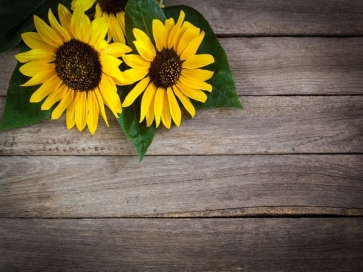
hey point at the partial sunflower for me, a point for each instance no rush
(75, 66)
(114, 13)
(170, 70)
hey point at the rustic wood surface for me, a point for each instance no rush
(276, 187)
(53, 187)
(252, 244)
(281, 17)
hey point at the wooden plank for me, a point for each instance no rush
(197, 186)
(268, 125)
(280, 17)
(7, 65)
(296, 66)
(264, 244)
(278, 66)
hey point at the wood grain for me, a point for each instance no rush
(268, 125)
(196, 186)
(280, 17)
(278, 66)
(300, 244)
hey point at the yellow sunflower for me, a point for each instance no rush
(114, 13)
(75, 66)
(170, 70)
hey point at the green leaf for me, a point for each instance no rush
(140, 135)
(16, 17)
(140, 14)
(224, 90)
(18, 111)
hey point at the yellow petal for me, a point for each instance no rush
(165, 115)
(175, 31)
(192, 93)
(49, 86)
(93, 112)
(121, 20)
(98, 12)
(174, 107)
(142, 37)
(64, 103)
(150, 114)
(147, 52)
(80, 114)
(86, 4)
(101, 105)
(34, 41)
(108, 22)
(114, 103)
(65, 18)
(116, 50)
(189, 34)
(81, 25)
(192, 47)
(57, 27)
(110, 67)
(99, 30)
(38, 55)
(115, 29)
(169, 24)
(198, 61)
(86, 28)
(136, 61)
(185, 101)
(109, 94)
(136, 91)
(70, 115)
(47, 33)
(194, 84)
(32, 68)
(147, 99)
(133, 75)
(158, 105)
(40, 78)
(159, 34)
(197, 74)
(54, 97)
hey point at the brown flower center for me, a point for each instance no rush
(78, 65)
(165, 69)
(112, 6)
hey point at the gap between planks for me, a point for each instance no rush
(245, 212)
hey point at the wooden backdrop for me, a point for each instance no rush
(278, 186)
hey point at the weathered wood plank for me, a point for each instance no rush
(300, 244)
(268, 125)
(197, 186)
(296, 66)
(280, 17)
(7, 65)
(278, 66)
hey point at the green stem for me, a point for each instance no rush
(161, 3)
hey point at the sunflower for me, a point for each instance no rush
(75, 66)
(114, 13)
(169, 71)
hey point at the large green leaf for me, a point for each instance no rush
(140, 135)
(224, 91)
(16, 17)
(18, 111)
(140, 14)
